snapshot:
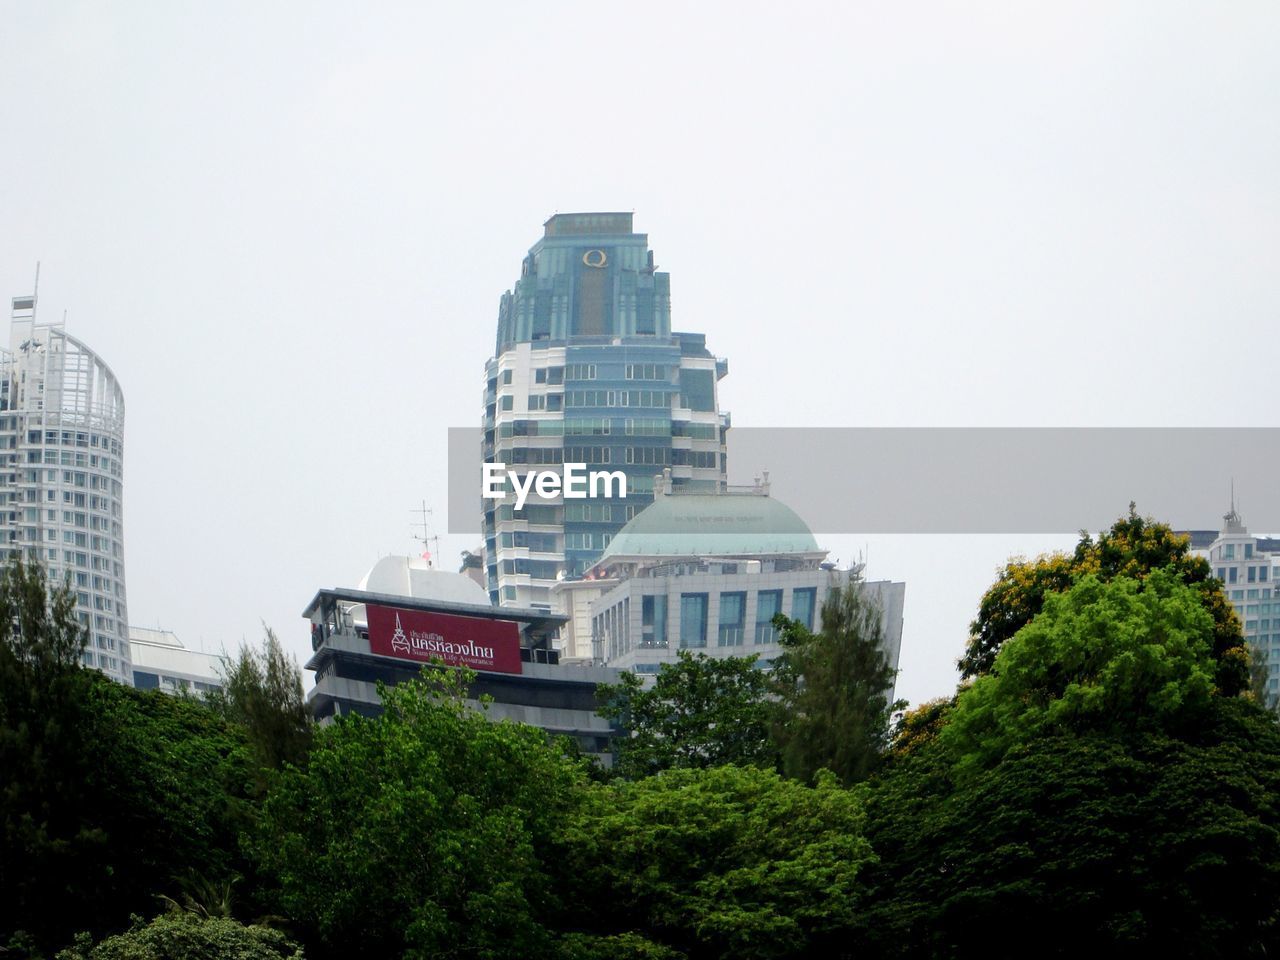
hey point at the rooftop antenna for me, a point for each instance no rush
(35, 293)
(428, 539)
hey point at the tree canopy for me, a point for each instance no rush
(421, 833)
(833, 690)
(1132, 548)
(700, 712)
(721, 862)
(1116, 656)
(1154, 844)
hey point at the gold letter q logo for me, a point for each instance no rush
(595, 258)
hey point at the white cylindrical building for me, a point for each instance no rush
(61, 470)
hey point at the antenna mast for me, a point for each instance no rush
(428, 539)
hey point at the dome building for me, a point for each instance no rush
(707, 572)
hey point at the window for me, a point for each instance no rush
(579, 541)
(697, 390)
(508, 402)
(768, 603)
(693, 620)
(802, 603)
(646, 371)
(1248, 551)
(1231, 574)
(506, 376)
(733, 608)
(540, 375)
(1230, 554)
(653, 621)
(1253, 574)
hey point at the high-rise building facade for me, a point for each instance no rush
(586, 369)
(1248, 567)
(61, 456)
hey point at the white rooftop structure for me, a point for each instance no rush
(414, 577)
(162, 662)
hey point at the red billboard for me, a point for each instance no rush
(475, 642)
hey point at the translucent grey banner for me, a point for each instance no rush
(970, 480)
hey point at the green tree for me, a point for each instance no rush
(262, 691)
(44, 766)
(108, 795)
(920, 726)
(1259, 676)
(700, 712)
(1093, 843)
(1115, 655)
(180, 935)
(421, 833)
(1133, 547)
(720, 862)
(833, 689)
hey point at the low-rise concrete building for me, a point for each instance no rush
(160, 661)
(405, 615)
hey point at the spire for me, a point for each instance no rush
(1231, 519)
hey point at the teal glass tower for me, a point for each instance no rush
(586, 369)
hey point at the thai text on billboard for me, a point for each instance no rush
(475, 642)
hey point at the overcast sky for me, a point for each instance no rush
(286, 227)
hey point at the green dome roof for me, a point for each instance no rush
(711, 524)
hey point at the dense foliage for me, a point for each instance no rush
(423, 833)
(182, 935)
(700, 712)
(833, 691)
(1111, 656)
(1097, 784)
(1093, 843)
(108, 795)
(262, 693)
(1132, 548)
(722, 862)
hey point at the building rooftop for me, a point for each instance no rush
(713, 524)
(585, 224)
(416, 578)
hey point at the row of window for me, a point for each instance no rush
(68, 458)
(1252, 574)
(586, 540)
(537, 569)
(649, 371)
(1257, 593)
(68, 438)
(105, 661)
(618, 398)
(694, 617)
(695, 458)
(530, 540)
(600, 512)
(551, 375)
(1228, 552)
(630, 426)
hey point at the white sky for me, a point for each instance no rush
(286, 227)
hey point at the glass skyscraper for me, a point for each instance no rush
(586, 369)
